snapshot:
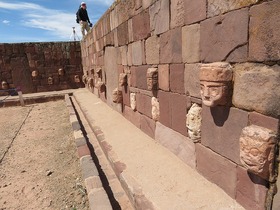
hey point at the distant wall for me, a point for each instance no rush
(18, 61)
(177, 37)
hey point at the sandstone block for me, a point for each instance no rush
(177, 78)
(148, 126)
(221, 129)
(163, 77)
(194, 11)
(250, 190)
(190, 43)
(264, 39)
(171, 46)
(123, 34)
(137, 53)
(83, 151)
(165, 108)
(217, 169)
(221, 36)
(130, 31)
(217, 7)
(177, 13)
(99, 200)
(141, 79)
(192, 82)
(132, 116)
(141, 26)
(144, 104)
(129, 55)
(257, 145)
(123, 54)
(264, 121)
(147, 3)
(159, 17)
(250, 79)
(155, 108)
(178, 144)
(152, 50)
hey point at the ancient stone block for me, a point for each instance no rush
(192, 82)
(190, 43)
(159, 17)
(217, 7)
(123, 79)
(177, 78)
(165, 108)
(264, 41)
(217, 169)
(171, 46)
(215, 82)
(220, 36)
(129, 55)
(250, 79)
(251, 190)
(148, 126)
(117, 96)
(147, 3)
(193, 122)
(163, 77)
(178, 144)
(130, 31)
(137, 53)
(257, 146)
(194, 11)
(264, 121)
(141, 26)
(144, 105)
(122, 34)
(152, 50)
(133, 103)
(177, 13)
(155, 108)
(123, 54)
(132, 116)
(152, 79)
(221, 129)
(140, 73)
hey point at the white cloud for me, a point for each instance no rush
(103, 2)
(6, 22)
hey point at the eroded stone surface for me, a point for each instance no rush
(257, 150)
(193, 122)
(133, 101)
(152, 78)
(155, 108)
(117, 96)
(215, 81)
(122, 79)
(50, 81)
(159, 16)
(77, 79)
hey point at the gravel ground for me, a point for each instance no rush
(39, 166)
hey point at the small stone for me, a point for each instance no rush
(49, 172)
(60, 152)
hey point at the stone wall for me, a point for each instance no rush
(151, 60)
(34, 67)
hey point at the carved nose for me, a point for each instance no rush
(206, 93)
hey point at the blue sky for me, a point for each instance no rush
(44, 20)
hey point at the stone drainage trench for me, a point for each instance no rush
(39, 166)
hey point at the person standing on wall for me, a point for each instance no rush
(83, 19)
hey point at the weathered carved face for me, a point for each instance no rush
(84, 78)
(257, 150)
(152, 78)
(34, 73)
(123, 79)
(4, 85)
(90, 83)
(215, 83)
(117, 96)
(133, 101)
(193, 122)
(60, 72)
(214, 93)
(50, 81)
(155, 108)
(77, 79)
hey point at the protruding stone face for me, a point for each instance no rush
(77, 79)
(4, 85)
(34, 74)
(257, 150)
(85, 79)
(152, 78)
(50, 80)
(117, 96)
(90, 83)
(155, 108)
(123, 79)
(215, 83)
(60, 72)
(133, 101)
(193, 122)
(100, 86)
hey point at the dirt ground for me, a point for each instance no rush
(41, 169)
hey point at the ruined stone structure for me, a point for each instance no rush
(168, 50)
(39, 67)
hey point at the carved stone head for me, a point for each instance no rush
(100, 86)
(50, 80)
(84, 78)
(152, 78)
(4, 85)
(34, 73)
(133, 101)
(117, 96)
(215, 83)
(123, 79)
(90, 82)
(193, 122)
(61, 72)
(257, 150)
(155, 108)
(77, 78)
